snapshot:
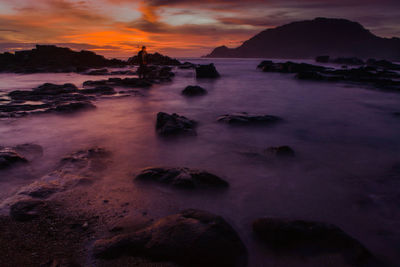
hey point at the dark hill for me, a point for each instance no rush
(311, 38)
(50, 58)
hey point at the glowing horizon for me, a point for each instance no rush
(117, 28)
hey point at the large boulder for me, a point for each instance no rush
(182, 177)
(310, 237)
(194, 90)
(173, 124)
(207, 71)
(246, 118)
(10, 157)
(189, 238)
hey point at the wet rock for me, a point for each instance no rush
(10, 157)
(368, 75)
(182, 177)
(385, 64)
(191, 238)
(173, 124)
(288, 67)
(100, 90)
(126, 82)
(98, 72)
(313, 237)
(207, 71)
(280, 151)
(26, 210)
(156, 59)
(348, 61)
(29, 151)
(194, 91)
(78, 169)
(246, 118)
(157, 73)
(187, 65)
(72, 107)
(43, 92)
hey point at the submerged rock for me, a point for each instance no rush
(207, 71)
(194, 91)
(313, 237)
(10, 157)
(182, 177)
(126, 82)
(174, 124)
(190, 238)
(73, 170)
(72, 107)
(280, 151)
(246, 118)
(100, 90)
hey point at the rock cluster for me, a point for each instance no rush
(378, 77)
(182, 177)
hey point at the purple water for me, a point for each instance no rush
(345, 138)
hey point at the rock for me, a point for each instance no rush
(246, 118)
(348, 61)
(314, 237)
(72, 107)
(26, 210)
(280, 151)
(322, 59)
(156, 59)
(79, 168)
(100, 90)
(369, 75)
(187, 65)
(10, 157)
(194, 91)
(174, 124)
(190, 238)
(207, 71)
(98, 72)
(182, 177)
(288, 67)
(126, 82)
(385, 64)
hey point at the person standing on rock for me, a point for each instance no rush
(142, 60)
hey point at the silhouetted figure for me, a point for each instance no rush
(142, 60)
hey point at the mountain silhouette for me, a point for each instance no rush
(311, 38)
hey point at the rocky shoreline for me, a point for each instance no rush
(40, 229)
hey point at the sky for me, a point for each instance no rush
(117, 28)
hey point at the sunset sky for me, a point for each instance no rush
(116, 28)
